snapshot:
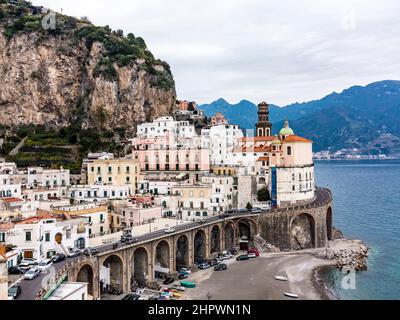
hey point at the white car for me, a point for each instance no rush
(32, 273)
(29, 261)
(185, 270)
(252, 255)
(169, 230)
(227, 256)
(45, 264)
(74, 253)
(178, 287)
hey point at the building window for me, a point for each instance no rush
(289, 151)
(28, 236)
(68, 233)
(294, 188)
(47, 237)
(2, 237)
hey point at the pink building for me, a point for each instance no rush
(158, 155)
(218, 119)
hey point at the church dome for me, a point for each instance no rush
(286, 130)
(276, 141)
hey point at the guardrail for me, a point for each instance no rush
(53, 282)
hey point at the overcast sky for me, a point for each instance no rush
(281, 51)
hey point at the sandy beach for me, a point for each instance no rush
(255, 279)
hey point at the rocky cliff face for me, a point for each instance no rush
(58, 78)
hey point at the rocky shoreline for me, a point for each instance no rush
(346, 255)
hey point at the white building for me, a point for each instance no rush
(166, 125)
(38, 176)
(41, 194)
(222, 194)
(97, 216)
(8, 167)
(222, 140)
(44, 235)
(8, 187)
(99, 193)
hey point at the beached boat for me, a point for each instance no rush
(280, 278)
(188, 284)
(291, 295)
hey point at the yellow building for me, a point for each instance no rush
(223, 170)
(193, 200)
(115, 172)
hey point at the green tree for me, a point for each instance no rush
(249, 206)
(263, 195)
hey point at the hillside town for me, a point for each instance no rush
(179, 171)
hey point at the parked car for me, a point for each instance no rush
(185, 270)
(204, 266)
(126, 238)
(224, 215)
(32, 273)
(202, 220)
(74, 253)
(255, 251)
(90, 251)
(243, 211)
(226, 256)
(29, 261)
(169, 230)
(14, 292)
(221, 267)
(131, 296)
(182, 276)
(58, 257)
(45, 264)
(16, 270)
(252, 255)
(214, 262)
(25, 266)
(256, 210)
(169, 280)
(242, 257)
(178, 287)
(233, 252)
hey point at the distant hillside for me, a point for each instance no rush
(366, 118)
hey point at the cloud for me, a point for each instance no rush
(278, 51)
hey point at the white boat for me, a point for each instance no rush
(280, 278)
(291, 295)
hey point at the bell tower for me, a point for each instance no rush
(263, 127)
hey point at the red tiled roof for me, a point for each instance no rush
(11, 199)
(263, 159)
(296, 139)
(266, 138)
(35, 219)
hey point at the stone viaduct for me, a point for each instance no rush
(299, 227)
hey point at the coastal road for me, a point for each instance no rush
(30, 288)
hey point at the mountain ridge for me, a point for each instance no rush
(359, 117)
